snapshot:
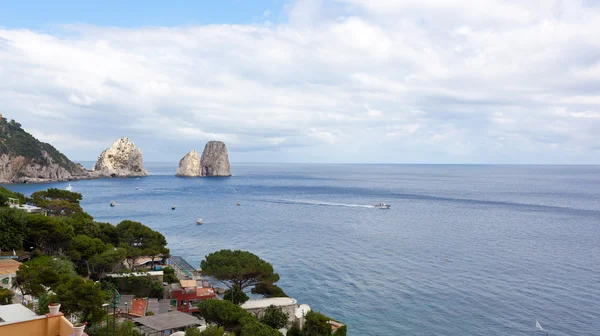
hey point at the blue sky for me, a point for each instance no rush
(366, 81)
(134, 13)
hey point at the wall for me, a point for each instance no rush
(50, 325)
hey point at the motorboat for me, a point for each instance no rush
(174, 207)
(382, 206)
(113, 203)
(69, 187)
(199, 221)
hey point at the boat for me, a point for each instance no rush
(382, 206)
(69, 188)
(112, 203)
(174, 207)
(199, 221)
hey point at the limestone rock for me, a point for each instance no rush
(23, 158)
(215, 161)
(122, 159)
(190, 165)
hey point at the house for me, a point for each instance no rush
(295, 312)
(16, 319)
(188, 293)
(8, 270)
(15, 204)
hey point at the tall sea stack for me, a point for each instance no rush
(190, 165)
(214, 161)
(122, 159)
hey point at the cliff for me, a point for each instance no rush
(23, 158)
(122, 159)
(190, 165)
(215, 160)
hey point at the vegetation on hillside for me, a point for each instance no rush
(17, 142)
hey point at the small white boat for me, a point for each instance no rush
(69, 188)
(199, 221)
(382, 206)
(113, 203)
(174, 207)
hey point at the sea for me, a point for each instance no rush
(464, 249)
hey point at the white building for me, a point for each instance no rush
(14, 203)
(295, 312)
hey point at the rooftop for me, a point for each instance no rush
(9, 266)
(168, 321)
(14, 313)
(264, 303)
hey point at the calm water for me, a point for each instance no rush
(522, 242)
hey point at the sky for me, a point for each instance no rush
(339, 81)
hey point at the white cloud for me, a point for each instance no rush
(448, 79)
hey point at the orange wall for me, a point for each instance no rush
(55, 325)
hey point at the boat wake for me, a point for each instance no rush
(321, 203)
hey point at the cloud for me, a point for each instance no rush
(420, 80)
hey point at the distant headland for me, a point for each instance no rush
(25, 159)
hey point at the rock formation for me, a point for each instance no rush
(215, 161)
(23, 158)
(190, 165)
(122, 159)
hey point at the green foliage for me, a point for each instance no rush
(58, 202)
(169, 275)
(49, 234)
(295, 331)
(236, 295)
(317, 324)
(275, 317)
(122, 328)
(3, 200)
(43, 302)
(251, 327)
(240, 268)
(195, 332)
(222, 313)
(268, 290)
(15, 141)
(13, 224)
(139, 286)
(138, 239)
(6, 296)
(35, 275)
(210, 331)
(77, 295)
(13, 194)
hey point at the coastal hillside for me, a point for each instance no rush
(23, 158)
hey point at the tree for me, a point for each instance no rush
(84, 248)
(317, 324)
(222, 313)
(275, 317)
(169, 275)
(236, 295)
(122, 328)
(268, 290)
(77, 295)
(210, 331)
(138, 239)
(240, 268)
(6, 296)
(58, 202)
(48, 234)
(107, 262)
(34, 276)
(12, 228)
(251, 327)
(3, 200)
(195, 332)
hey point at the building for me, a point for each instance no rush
(188, 293)
(14, 203)
(18, 320)
(295, 312)
(8, 270)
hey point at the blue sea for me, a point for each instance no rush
(464, 250)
